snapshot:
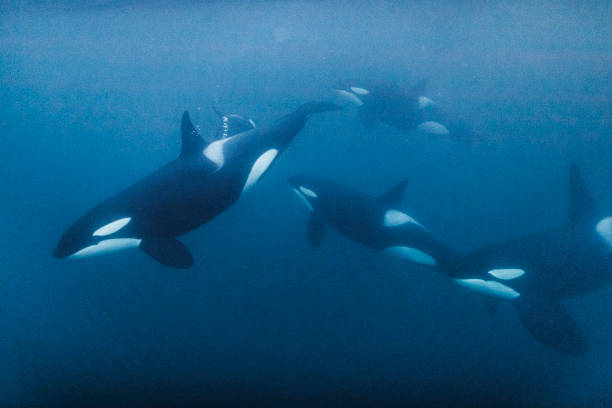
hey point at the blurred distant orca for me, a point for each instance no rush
(201, 183)
(376, 222)
(536, 271)
(403, 109)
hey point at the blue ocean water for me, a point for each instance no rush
(92, 95)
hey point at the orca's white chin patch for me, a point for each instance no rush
(604, 229)
(106, 246)
(112, 227)
(411, 254)
(347, 98)
(303, 199)
(490, 288)
(394, 218)
(433, 128)
(506, 274)
(259, 168)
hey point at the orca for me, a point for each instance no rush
(403, 109)
(375, 222)
(535, 272)
(201, 183)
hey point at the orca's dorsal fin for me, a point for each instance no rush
(168, 251)
(582, 205)
(190, 138)
(393, 197)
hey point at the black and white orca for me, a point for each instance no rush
(404, 109)
(202, 182)
(376, 222)
(537, 271)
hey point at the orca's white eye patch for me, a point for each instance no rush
(604, 229)
(112, 227)
(506, 274)
(307, 192)
(490, 288)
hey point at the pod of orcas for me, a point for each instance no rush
(534, 272)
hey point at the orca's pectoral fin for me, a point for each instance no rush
(316, 230)
(168, 251)
(552, 325)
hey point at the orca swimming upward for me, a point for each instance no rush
(536, 271)
(202, 182)
(403, 109)
(376, 222)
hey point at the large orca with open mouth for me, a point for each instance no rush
(537, 271)
(376, 222)
(202, 182)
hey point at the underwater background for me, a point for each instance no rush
(91, 98)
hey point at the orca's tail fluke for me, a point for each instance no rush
(318, 107)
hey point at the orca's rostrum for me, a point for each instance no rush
(202, 182)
